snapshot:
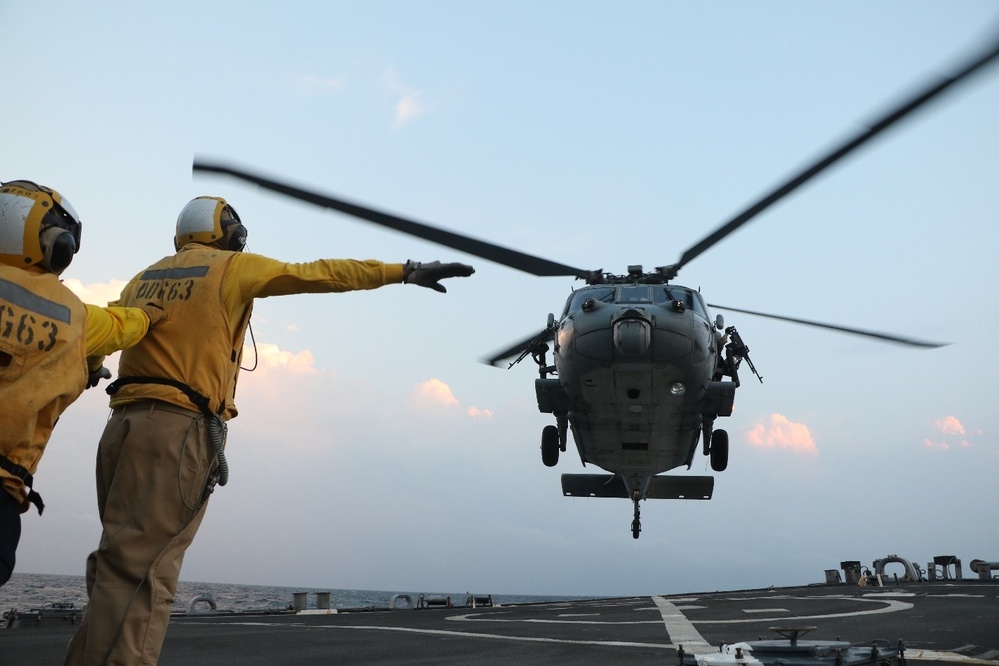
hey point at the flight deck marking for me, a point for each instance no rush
(681, 630)
(911, 654)
(890, 606)
(474, 617)
(887, 606)
(465, 634)
(935, 655)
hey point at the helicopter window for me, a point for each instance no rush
(690, 299)
(638, 293)
(699, 307)
(681, 294)
(577, 299)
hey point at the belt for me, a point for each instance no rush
(151, 405)
(26, 478)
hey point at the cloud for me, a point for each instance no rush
(409, 104)
(288, 403)
(950, 432)
(949, 425)
(269, 356)
(312, 85)
(434, 396)
(477, 413)
(407, 108)
(99, 293)
(779, 432)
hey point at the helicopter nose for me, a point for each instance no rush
(632, 337)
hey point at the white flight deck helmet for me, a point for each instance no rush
(37, 227)
(210, 221)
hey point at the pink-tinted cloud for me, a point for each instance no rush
(778, 432)
(99, 293)
(432, 393)
(950, 433)
(269, 356)
(434, 396)
(479, 413)
(290, 403)
(949, 425)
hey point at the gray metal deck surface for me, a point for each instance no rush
(940, 622)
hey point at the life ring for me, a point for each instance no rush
(400, 602)
(911, 575)
(204, 598)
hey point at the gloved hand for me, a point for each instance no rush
(94, 378)
(429, 274)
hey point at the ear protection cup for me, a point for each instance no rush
(235, 237)
(58, 248)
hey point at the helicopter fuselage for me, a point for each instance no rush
(636, 368)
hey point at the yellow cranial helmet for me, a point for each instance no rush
(37, 226)
(210, 221)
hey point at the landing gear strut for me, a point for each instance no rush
(636, 524)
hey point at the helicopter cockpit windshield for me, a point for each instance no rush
(634, 293)
(637, 294)
(692, 300)
(575, 302)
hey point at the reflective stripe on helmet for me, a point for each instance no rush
(14, 210)
(200, 221)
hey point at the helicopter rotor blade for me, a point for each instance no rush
(544, 335)
(886, 337)
(886, 120)
(501, 255)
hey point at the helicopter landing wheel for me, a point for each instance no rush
(636, 524)
(549, 446)
(719, 450)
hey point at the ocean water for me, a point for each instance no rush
(27, 591)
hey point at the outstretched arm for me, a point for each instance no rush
(254, 276)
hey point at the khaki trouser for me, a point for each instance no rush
(152, 465)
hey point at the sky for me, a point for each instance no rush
(373, 449)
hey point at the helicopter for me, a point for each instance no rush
(639, 370)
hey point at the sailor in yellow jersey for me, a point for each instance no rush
(161, 454)
(46, 337)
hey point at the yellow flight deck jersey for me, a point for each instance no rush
(46, 335)
(207, 295)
